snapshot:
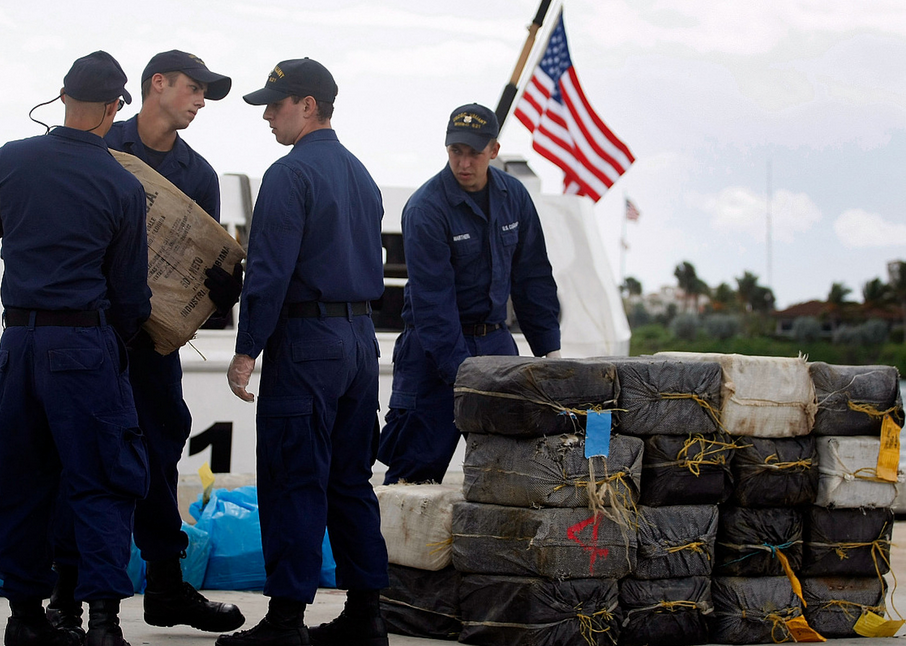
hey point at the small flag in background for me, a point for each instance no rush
(632, 213)
(565, 129)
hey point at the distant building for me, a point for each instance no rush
(657, 303)
(832, 316)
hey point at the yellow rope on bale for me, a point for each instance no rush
(713, 412)
(774, 462)
(709, 448)
(590, 625)
(843, 605)
(695, 546)
(869, 409)
(779, 622)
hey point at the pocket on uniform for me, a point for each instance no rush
(327, 350)
(402, 400)
(69, 359)
(123, 454)
(283, 434)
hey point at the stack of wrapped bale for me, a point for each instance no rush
(423, 597)
(768, 408)
(544, 533)
(848, 532)
(674, 407)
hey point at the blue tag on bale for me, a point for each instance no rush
(597, 433)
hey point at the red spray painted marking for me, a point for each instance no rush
(572, 534)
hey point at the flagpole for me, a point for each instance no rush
(512, 88)
(623, 245)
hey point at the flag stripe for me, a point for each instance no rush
(565, 129)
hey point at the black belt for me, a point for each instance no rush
(312, 309)
(59, 318)
(480, 329)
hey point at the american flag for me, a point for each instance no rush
(565, 128)
(632, 213)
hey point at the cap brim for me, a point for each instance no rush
(473, 139)
(264, 96)
(126, 96)
(218, 84)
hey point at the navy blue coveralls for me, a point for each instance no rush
(156, 379)
(76, 266)
(314, 264)
(462, 267)
(163, 414)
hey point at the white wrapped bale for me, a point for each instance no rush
(761, 396)
(416, 523)
(550, 471)
(557, 543)
(847, 468)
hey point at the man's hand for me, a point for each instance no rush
(553, 354)
(239, 374)
(223, 288)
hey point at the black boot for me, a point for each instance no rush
(29, 626)
(360, 623)
(170, 601)
(282, 626)
(104, 623)
(64, 611)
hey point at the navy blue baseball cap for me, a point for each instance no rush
(96, 78)
(296, 77)
(473, 125)
(193, 67)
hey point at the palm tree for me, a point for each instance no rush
(898, 287)
(838, 293)
(747, 285)
(876, 293)
(632, 286)
(723, 297)
(687, 281)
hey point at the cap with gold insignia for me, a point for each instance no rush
(473, 125)
(297, 77)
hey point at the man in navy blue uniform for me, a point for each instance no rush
(74, 286)
(472, 240)
(175, 85)
(314, 265)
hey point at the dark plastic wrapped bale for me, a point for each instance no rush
(557, 543)
(667, 397)
(852, 399)
(550, 471)
(834, 604)
(521, 611)
(752, 610)
(422, 603)
(531, 397)
(846, 542)
(748, 538)
(676, 541)
(775, 472)
(665, 611)
(686, 470)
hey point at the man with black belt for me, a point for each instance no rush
(175, 85)
(314, 265)
(74, 286)
(472, 240)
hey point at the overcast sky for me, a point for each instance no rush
(706, 93)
